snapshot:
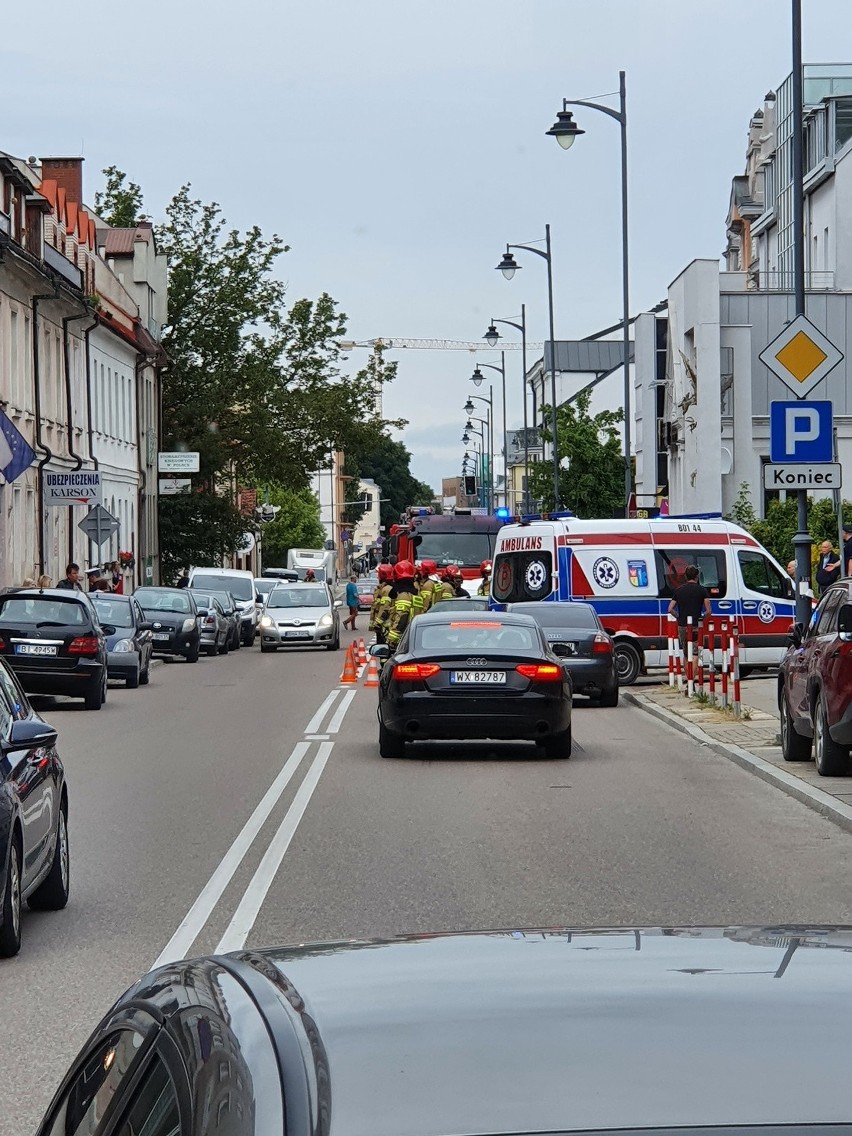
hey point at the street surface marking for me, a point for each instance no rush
(337, 721)
(249, 906)
(191, 926)
(316, 737)
(315, 722)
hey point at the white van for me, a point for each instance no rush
(628, 569)
(321, 561)
(240, 583)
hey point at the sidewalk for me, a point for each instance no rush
(752, 741)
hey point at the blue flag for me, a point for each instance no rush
(16, 454)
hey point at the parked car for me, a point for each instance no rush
(487, 676)
(216, 628)
(517, 1031)
(240, 583)
(576, 635)
(173, 615)
(34, 855)
(366, 587)
(129, 636)
(233, 616)
(815, 686)
(54, 643)
(300, 615)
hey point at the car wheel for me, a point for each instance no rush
(10, 924)
(559, 745)
(236, 641)
(334, 646)
(628, 663)
(390, 745)
(191, 655)
(609, 697)
(94, 698)
(132, 680)
(793, 746)
(265, 648)
(52, 893)
(226, 646)
(831, 759)
(210, 651)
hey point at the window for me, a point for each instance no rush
(97, 1082)
(761, 576)
(826, 614)
(13, 356)
(673, 563)
(13, 695)
(154, 1109)
(6, 717)
(520, 576)
(473, 635)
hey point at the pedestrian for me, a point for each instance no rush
(92, 574)
(310, 578)
(44, 582)
(402, 602)
(352, 601)
(115, 578)
(71, 581)
(457, 583)
(484, 588)
(100, 585)
(380, 612)
(846, 570)
(183, 579)
(791, 569)
(828, 566)
(691, 601)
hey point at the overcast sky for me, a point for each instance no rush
(397, 147)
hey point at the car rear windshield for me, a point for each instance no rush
(471, 635)
(241, 586)
(42, 609)
(559, 614)
(298, 597)
(114, 612)
(152, 599)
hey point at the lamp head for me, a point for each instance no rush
(477, 378)
(507, 265)
(491, 336)
(565, 129)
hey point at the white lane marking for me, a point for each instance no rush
(316, 737)
(249, 906)
(345, 702)
(192, 924)
(315, 722)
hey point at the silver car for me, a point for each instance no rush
(300, 615)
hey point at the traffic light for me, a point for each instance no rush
(470, 485)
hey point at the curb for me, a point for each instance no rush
(818, 800)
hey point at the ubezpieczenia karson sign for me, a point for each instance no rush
(77, 487)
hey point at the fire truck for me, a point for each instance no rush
(462, 538)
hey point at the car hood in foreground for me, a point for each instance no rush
(546, 1031)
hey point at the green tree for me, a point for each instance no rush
(120, 204)
(776, 530)
(297, 525)
(592, 485)
(388, 464)
(197, 528)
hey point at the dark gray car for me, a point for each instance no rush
(577, 636)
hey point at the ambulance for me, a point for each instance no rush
(628, 569)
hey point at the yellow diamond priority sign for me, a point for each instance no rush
(801, 356)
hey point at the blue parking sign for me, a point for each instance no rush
(801, 431)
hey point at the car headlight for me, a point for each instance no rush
(266, 621)
(188, 625)
(325, 620)
(123, 645)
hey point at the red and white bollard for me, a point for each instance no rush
(735, 668)
(711, 628)
(671, 627)
(702, 647)
(724, 699)
(690, 659)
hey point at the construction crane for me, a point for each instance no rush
(435, 345)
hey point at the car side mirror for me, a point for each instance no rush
(108, 629)
(146, 626)
(796, 634)
(30, 734)
(379, 650)
(258, 598)
(844, 620)
(338, 603)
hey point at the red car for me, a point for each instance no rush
(815, 686)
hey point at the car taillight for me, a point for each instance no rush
(83, 645)
(209, 620)
(540, 672)
(407, 672)
(601, 644)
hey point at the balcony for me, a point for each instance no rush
(822, 281)
(63, 267)
(5, 227)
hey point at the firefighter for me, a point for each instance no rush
(402, 602)
(457, 581)
(430, 587)
(484, 588)
(381, 607)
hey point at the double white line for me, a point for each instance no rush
(249, 906)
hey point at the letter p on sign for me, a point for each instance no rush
(801, 432)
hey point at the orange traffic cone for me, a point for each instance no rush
(372, 672)
(350, 670)
(362, 651)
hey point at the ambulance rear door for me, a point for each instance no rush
(525, 564)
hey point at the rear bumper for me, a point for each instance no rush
(591, 674)
(71, 682)
(122, 663)
(433, 717)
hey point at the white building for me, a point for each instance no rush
(367, 530)
(702, 415)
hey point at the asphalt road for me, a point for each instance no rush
(242, 801)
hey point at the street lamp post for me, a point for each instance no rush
(480, 449)
(565, 130)
(508, 266)
(477, 378)
(492, 336)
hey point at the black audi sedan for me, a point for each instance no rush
(577, 636)
(129, 642)
(54, 642)
(174, 618)
(656, 1031)
(470, 676)
(34, 856)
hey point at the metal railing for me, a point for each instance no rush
(818, 281)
